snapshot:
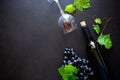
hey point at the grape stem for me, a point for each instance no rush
(104, 27)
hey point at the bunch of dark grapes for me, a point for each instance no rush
(83, 65)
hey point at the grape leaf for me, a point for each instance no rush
(96, 28)
(70, 8)
(68, 72)
(70, 69)
(98, 21)
(105, 40)
(82, 4)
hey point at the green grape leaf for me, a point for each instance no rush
(70, 69)
(70, 8)
(105, 40)
(96, 28)
(68, 72)
(82, 4)
(98, 21)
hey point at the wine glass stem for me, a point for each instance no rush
(59, 6)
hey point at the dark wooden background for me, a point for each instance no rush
(31, 44)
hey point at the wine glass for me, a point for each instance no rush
(66, 21)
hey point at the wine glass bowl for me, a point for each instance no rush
(67, 23)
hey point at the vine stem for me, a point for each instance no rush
(104, 27)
